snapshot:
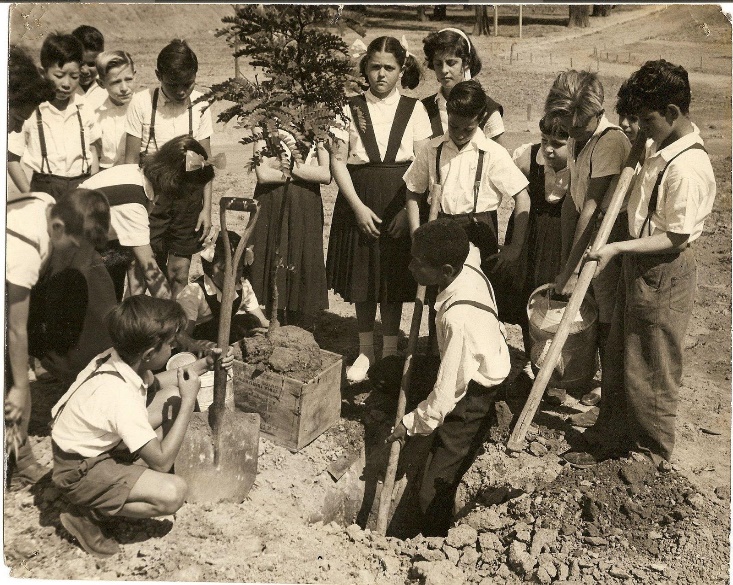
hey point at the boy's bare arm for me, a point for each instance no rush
(17, 174)
(413, 210)
(132, 149)
(19, 395)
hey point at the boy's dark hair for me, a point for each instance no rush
(177, 59)
(654, 86)
(442, 242)
(551, 127)
(26, 85)
(141, 322)
(60, 49)
(411, 75)
(450, 42)
(166, 169)
(467, 98)
(218, 258)
(90, 38)
(623, 105)
(85, 213)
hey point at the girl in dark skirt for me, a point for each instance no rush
(545, 166)
(369, 245)
(296, 228)
(451, 55)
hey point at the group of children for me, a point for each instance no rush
(394, 157)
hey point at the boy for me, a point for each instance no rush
(93, 43)
(474, 361)
(27, 88)
(201, 300)
(116, 72)
(672, 195)
(471, 174)
(59, 141)
(114, 414)
(597, 151)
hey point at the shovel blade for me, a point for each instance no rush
(230, 477)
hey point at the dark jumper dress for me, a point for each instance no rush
(540, 261)
(431, 105)
(302, 288)
(361, 268)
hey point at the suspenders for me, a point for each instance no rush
(44, 150)
(36, 246)
(655, 191)
(151, 134)
(478, 305)
(476, 180)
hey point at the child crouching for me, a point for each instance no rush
(201, 300)
(117, 413)
(474, 362)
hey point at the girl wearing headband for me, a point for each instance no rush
(452, 56)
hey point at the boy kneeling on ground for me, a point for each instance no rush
(117, 413)
(474, 362)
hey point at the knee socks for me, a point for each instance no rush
(389, 345)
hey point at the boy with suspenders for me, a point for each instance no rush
(673, 193)
(59, 141)
(474, 362)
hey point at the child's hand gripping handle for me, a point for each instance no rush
(516, 440)
(252, 207)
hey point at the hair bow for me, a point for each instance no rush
(195, 161)
(357, 48)
(403, 42)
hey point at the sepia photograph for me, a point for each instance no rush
(368, 294)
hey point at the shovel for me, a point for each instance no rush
(218, 456)
(516, 440)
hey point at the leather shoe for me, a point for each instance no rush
(89, 534)
(585, 419)
(555, 396)
(591, 398)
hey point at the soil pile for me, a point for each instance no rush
(287, 350)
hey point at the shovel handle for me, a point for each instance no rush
(516, 440)
(228, 291)
(385, 499)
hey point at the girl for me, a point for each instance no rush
(155, 117)
(545, 166)
(173, 179)
(301, 286)
(369, 247)
(454, 59)
(58, 295)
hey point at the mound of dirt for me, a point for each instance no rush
(287, 350)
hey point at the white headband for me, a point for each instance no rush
(458, 32)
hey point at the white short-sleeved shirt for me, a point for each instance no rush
(129, 222)
(111, 121)
(27, 238)
(193, 300)
(598, 158)
(101, 412)
(382, 113)
(494, 125)
(556, 182)
(94, 97)
(686, 193)
(500, 177)
(171, 119)
(472, 346)
(63, 139)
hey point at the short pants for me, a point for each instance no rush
(101, 484)
(173, 224)
(55, 185)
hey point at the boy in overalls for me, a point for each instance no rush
(59, 141)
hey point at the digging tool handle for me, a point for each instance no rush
(516, 440)
(227, 294)
(385, 499)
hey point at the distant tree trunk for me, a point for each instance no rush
(601, 10)
(481, 23)
(421, 15)
(439, 11)
(579, 15)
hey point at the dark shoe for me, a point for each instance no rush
(583, 459)
(555, 396)
(591, 398)
(585, 419)
(89, 534)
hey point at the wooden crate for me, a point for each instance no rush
(293, 412)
